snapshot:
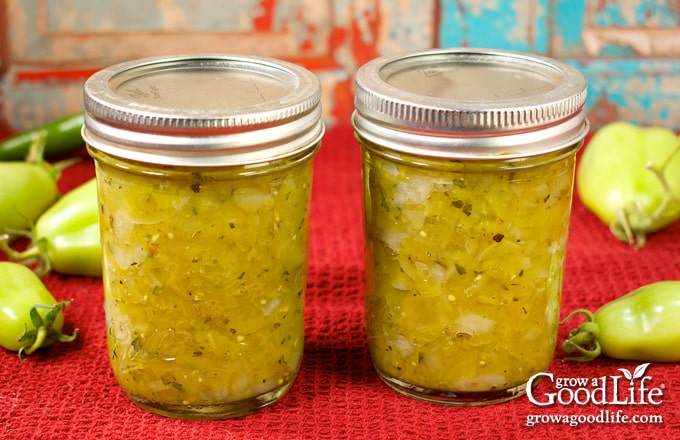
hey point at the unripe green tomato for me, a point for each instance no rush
(20, 290)
(69, 232)
(642, 325)
(614, 179)
(26, 191)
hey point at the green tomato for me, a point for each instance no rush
(629, 176)
(70, 232)
(642, 325)
(26, 191)
(30, 317)
(66, 237)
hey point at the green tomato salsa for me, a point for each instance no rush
(204, 285)
(464, 270)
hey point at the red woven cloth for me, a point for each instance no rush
(69, 392)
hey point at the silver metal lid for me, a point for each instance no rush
(470, 103)
(203, 110)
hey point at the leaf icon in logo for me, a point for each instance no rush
(636, 374)
(640, 371)
(626, 374)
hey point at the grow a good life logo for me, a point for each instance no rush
(629, 388)
(634, 389)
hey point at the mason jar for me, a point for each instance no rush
(204, 171)
(468, 170)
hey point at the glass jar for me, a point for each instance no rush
(204, 167)
(468, 168)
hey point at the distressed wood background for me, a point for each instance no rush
(629, 49)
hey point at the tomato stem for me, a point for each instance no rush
(44, 334)
(37, 149)
(41, 335)
(36, 153)
(622, 227)
(583, 339)
(36, 252)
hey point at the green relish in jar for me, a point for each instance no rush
(468, 167)
(204, 177)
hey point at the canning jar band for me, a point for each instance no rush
(251, 147)
(473, 146)
(500, 162)
(180, 171)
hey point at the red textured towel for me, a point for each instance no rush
(69, 392)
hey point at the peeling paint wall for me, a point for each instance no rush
(628, 49)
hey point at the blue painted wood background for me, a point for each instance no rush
(628, 50)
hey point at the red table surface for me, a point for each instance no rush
(69, 392)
